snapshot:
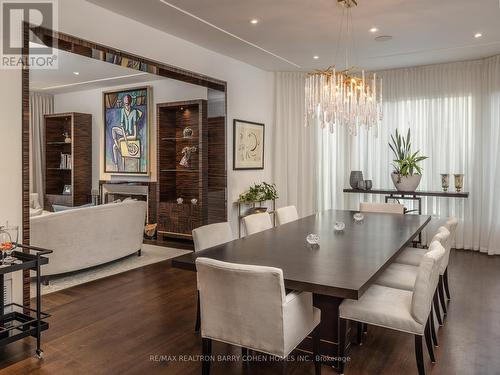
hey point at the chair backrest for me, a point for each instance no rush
(451, 225)
(257, 222)
(426, 282)
(389, 208)
(242, 304)
(211, 235)
(286, 214)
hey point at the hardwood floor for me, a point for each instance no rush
(125, 323)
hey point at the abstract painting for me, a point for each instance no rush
(126, 131)
(248, 145)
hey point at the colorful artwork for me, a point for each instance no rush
(248, 145)
(126, 131)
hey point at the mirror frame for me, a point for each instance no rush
(100, 52)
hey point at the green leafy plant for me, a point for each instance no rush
(259, 192)
(406, 162)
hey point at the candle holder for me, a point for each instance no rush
(459, 182)
(445, 181)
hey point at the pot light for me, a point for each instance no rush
(254, 21)
(478, 35)
(76, 73)
(373, 30)
(316, 57)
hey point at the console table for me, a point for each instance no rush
(410, 195)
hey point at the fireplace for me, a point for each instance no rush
(110, 191)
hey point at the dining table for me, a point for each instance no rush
(343, 265)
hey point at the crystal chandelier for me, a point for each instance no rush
(343, 97)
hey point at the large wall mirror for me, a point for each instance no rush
(108, 126)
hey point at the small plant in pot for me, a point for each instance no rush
(407, 171)
(259, 193)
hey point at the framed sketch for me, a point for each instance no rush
(248, 145)
(126, 131)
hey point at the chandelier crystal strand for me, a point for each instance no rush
(343, 98)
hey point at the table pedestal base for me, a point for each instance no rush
(329, 307)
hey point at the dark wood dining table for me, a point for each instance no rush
(343, 266)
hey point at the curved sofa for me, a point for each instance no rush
(90, 236)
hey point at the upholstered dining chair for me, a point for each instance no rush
(286, 214)
(389, 208)
(246, 306)
(412, 256)
(209, 236)
(398, 309)
(257, 223)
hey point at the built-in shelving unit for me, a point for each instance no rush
(77, 170)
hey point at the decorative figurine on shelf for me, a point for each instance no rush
(67, 138)
(187, 132)
(194, 201)
(180, 200)
(186, 156)
(445, 181)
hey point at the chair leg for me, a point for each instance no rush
(433, 329)
(446, 288)
(198, 315)
(436, 308)
(419, 355)
(206, 354)
(359, 333)
(428, 341)
(441, 294)
(316, 351)
(365, 328)
(342, 339)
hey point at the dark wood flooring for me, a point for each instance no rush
(125, 323)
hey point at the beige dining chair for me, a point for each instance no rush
(389, 208)
(398, 309)
(286, 214)
(205, 237)
(246, 306)
(257, 223)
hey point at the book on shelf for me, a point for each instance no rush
(65, 161)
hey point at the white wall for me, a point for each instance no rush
(249, 90)
(90, 101)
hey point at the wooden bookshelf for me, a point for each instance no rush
(78, 172)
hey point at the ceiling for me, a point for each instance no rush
(93, 74)
(291, 32)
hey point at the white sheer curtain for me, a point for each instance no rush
(294, 159)
(453, 111)
(40, 105)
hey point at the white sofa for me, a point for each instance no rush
(86, 237)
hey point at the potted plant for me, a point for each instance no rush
(259, 193)
(407, 171)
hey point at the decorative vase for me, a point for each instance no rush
(356, 176)
(459, 182)
(445, 181)
(406, 183)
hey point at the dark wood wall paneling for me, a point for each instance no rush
(217, 180)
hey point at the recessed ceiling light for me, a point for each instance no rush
(316, 57)
(254, 21)
(373, 30)
(76, 73)
(383, 38)
(478, 35)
